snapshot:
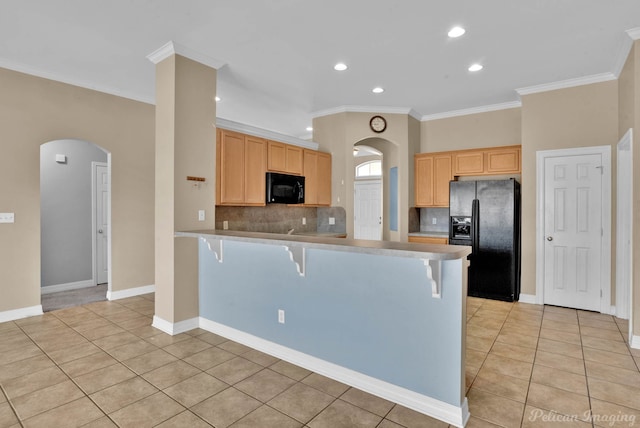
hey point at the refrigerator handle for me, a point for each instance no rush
(475, 225)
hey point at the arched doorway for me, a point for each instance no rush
(367, 203)
(385, 152)
(74, 223)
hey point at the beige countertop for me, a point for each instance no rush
(384, 248)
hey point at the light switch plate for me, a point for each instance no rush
(7, 218)
(200, 215)
(332, 220)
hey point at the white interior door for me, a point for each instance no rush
(368, 210)
(573, 231)
(101, 193)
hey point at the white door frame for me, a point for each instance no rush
(94, 252)
(605, 272)
(624, 228)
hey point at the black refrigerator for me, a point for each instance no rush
(485, 215)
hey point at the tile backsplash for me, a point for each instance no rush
(279, 218)
(441, 216)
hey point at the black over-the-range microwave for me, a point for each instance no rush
(284, 189)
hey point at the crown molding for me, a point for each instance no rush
(623, 53)
(367, 109)
(473, 110)
(569, 83)
(634, 33)
(264, 133)
(173, 48)
(36, 72)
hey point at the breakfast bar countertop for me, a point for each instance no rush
(386, 248)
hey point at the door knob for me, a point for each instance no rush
(549, 238)
(99, 230)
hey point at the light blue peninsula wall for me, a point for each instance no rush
(370, 317)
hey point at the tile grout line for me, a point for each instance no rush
(586, 375)
(15, 412)
(533, 364)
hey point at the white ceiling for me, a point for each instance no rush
(279, 54)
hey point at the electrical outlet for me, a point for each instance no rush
(225, 225)
(281, 316)
(332, 220)
(200, 215)
(7, 218)
(434, 220)
(304, 220)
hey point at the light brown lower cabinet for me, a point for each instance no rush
(428, 240)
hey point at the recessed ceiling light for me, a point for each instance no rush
(217, 98)
(377, 90)
(340, 66)
(309, 128)
(475, 67)
(456, 32)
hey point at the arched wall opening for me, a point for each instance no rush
(75, 238)
(387, 151)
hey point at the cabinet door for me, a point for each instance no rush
(293, 159)
(465, 163)
(231, 167)
(501, 161)
(423, 184)
(428, 240)
(310, 177)
(324, 179)
(441, 177)
(284, 158)
(255, 165)
(277, 157)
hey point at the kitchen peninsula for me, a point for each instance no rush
(384, 317)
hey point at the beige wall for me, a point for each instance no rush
(567, 118)
(629, 105)
(495, 128)
(34, 111)
(185, 146)
(339, 132)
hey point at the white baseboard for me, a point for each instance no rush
(130, 292)
(16, 314)
(635, 342)
(175, 328)
(528, 298)
(453, 415)
(66, 287)
(612, 310)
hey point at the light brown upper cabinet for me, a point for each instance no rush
(432, 176)
(241, 163)
(502, 161)
(324, 179)
(490, 161)
(468, 162)
(317, 173)
(284, 158)
(433, 171)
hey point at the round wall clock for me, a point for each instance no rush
(378, 124)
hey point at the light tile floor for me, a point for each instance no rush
(103, 365)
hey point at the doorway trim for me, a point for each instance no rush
(605, 280)
(624, 229)
(94, 251)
